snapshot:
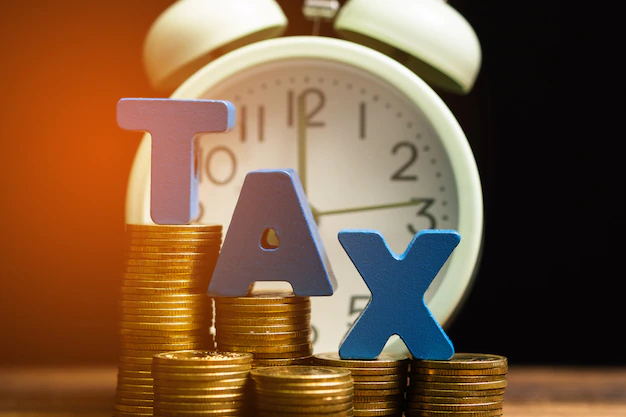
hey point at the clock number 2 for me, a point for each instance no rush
(400, 174)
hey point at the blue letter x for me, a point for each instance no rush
(397, 284)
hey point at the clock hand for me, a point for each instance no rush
(413, 202)
(302, 126)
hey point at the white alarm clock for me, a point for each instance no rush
(374, 145)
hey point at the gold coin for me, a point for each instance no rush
(380, 384)
(412, 392)
(384, 360)
(262, 315)
(169, 383)
(462, 360)
(134, 374)
(189, 318)
(134, 394)
(378, 392)
(197, 376)
(195, 270)
(460, 372)
(221, 389)
(197, 283)
(460, 386)
(161, 291)
(170, 255)
(202, 339)
(268, 413)
(203, 357)
(377, 398)
(455, 378)
(133, 401)
(141, 360)
(163, 347)
(290, 400)
(263, 308)
(149, 227)
(167, 398)
(457, 407)
(303, 393)
(118, 413)
(198, 406)
(454, 400)
(263, 404)
(177, 413)
(262, 343)
(281, 320)
(262, 299)
(204, 243)
(300, 373)
(164, 312)
(173, 303)
(304, 347)
(200, 368)
(148, 353)
(258, 336)
(374, 412)
(129, 380)
(170, 248)
(379, 378)
(305, 385)
(180, 235)
(439, 413)
(299, 360)
(132, 408)
(227, 328)
(166, 297)
(396, 404)
(178, 326)
(164, 332)
(159, 280)
(170, 264)
(368, 371)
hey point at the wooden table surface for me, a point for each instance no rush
(531, 392)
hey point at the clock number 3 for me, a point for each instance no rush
(423, 206)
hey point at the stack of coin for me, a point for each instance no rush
(192, 383)
(302, 390)
(379, 384)
(164, 306)
(274, 327)
(468, 384)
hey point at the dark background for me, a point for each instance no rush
(548, 291)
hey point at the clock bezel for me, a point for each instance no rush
(465, 259)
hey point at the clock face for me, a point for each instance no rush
(367, 154)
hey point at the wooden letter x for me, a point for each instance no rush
(397, 284)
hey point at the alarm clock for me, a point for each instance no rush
(356, 115)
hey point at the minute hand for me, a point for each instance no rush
(368, 208)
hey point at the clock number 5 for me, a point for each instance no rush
(357, 305)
